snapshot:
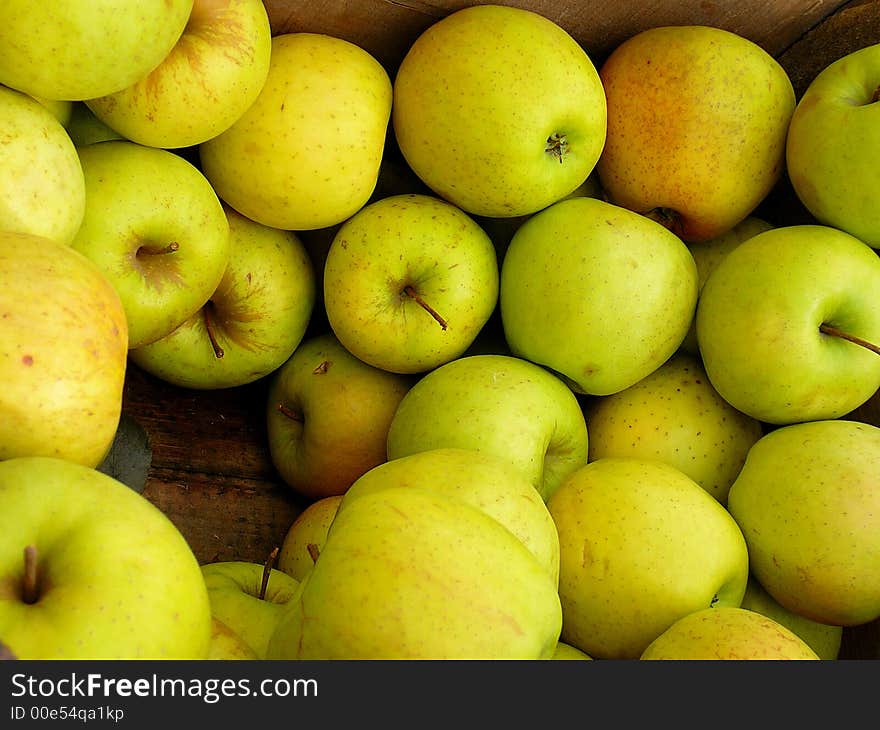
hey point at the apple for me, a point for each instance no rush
(252, 322)
(499, 110)
(42, 190)
(832, 149)
(599, 294)
(306, 536)
(306, 153)
(89, 569)
(675, 415)
(413, 574)
(248, 598)
(486, 481)
(328, 415)
(71, 50)
(206, 82)
(63, 352)
(824, 639)
(85, 128)
(697, 119)
(409, 281)
(707, 255)
(774, 318)
(61, 109)
(727, 633)
(155, 227)
(808, 504)
(641, 545)
(226, 644)
(496, 404)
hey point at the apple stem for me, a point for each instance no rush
(218, 351)
(30, 589)
(412, 294)
(267, 570)
(834, 332)
(156, 250)
(557, 146)
(666, 217)
(313, 551)
(290, 413)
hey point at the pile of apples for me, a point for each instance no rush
(551, 387)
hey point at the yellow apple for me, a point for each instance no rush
(641, 545)
(499, 110)
(306, 154)
(63, 352)
(485, 481)
(412, 574)
(73, 50)
(727, 633)
(697, 120)
(675, 415)
(226, 644)
(306, 536)
(204, 84)
(42, 190)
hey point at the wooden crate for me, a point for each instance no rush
(210, 469)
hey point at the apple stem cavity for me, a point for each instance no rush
(876, 96)
(209, 328)
(668, 218)
(30, 581)
(834, 332)
(157, 250)
(267, 571)
(290, 413)
(413, 294)
(557, 146)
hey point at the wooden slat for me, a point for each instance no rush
(386, 28)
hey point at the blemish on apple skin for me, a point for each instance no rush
(321, 368)
(27, 360)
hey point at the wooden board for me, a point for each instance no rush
(210, 470)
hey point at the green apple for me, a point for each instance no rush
(832, 149)
(42, 190)
(63, 352)
(85, 128)
(596, 292)
(413, 574)
(89, 569)
(808, 504)
(154, 225)
(252, 322)
(707, 255)
(641, 545)
(727, 633)
(697, 120)
(675, 415)
(824, 639)
(409, 281)
(72, 50)
(773, 318)
(306, 536)
(205, 83)
(500, 405)
(488, 482)
(328, 415)
(306, 154)
(499, 110)
(248, 606)
(227, 645)
(568, 652)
